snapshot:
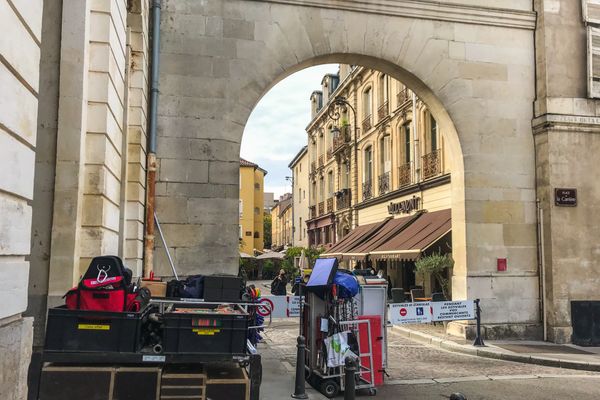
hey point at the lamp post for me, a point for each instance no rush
(334, 114)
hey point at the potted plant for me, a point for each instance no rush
(436, 264)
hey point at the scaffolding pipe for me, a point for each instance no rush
(151, 156)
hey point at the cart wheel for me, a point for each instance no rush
(372, 392)
(330, 388)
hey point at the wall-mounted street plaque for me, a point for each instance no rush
(565, 197)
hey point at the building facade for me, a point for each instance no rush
(300, 195)
(395, 162)
(252, 179)
(281, 222)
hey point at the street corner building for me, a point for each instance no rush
(475, 122)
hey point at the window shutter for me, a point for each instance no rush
(591, 11)
(593, 38)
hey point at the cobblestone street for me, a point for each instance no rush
(421, 372)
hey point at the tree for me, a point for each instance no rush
(267, 230)
(292, 252)
(436, 264)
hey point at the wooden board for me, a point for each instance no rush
(227, 382)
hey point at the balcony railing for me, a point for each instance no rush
(405, 175)
(383, 111)
(343, 199)
(342, 138)
(366, 124)
(383, 183)
(431, 164)
(402, 96)
(321, 208)
(321, 160)
(330, 205)
(312, 212)
(367, 190)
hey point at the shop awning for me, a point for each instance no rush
(386, 232)
(354, 238)
(410, 242)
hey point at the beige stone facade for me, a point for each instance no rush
(252, 188)
(281, 222)
(301, 197)
(507, 82)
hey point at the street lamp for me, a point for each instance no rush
(291, 180)
(334, 115)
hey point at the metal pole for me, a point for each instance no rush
(151, 157)
(299, 388)
(162, 238)
(478, 338)
(349, 382)
(543, 274)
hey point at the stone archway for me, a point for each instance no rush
(473, 66)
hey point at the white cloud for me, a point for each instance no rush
(275, 131)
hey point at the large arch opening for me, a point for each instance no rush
(386, 104)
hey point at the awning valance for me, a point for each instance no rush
(417, 237)
(354, 238)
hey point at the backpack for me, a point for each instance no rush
(104, 287)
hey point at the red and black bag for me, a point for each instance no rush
(104, 287)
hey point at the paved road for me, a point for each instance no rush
(418, 371)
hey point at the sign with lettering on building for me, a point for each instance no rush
(565, 197)
(405, 206)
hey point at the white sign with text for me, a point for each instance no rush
(409, 313)
(453, 310)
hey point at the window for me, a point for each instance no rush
(367, 103)
(300, 167)
(300, 225)
(382, 88)
(330, 137)
(385, 162)
(322, 189)
(313, 194)
(299, 195)
(241, 232)
(304, 194)
(406, 140)
(257, 186)
(256, 235)
(433, 132)
(368, 171)
(241, 207)
(256, 211)
(330, 184)
(345, 172)
(248, 233)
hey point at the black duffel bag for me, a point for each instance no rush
(191, 288)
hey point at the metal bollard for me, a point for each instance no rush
(349, 376)
(299, 388)
(478, 338)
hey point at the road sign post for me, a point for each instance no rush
(478, 338)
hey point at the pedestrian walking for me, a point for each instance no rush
(279, 284)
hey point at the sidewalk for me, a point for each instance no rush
(279, 368)
(530, 352)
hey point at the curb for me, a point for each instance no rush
(494, 352)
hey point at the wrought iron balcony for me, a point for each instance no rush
(340, 140)
(383, 111)
(405, 175)
(330, 205)
(367, 124)
(384, 183)
(432, 164)
(321, 208)
(402, 96)
(367, 190)
(321, 160)
(343, 199)
(312, 212)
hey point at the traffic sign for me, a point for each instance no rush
(410, 313)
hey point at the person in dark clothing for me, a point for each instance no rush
(278, 286)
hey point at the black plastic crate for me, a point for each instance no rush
(93, 331)
(223, 288)
(208, 333)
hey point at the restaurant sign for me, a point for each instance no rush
(405, 206)
(565, 197)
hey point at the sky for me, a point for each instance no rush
(275, 131)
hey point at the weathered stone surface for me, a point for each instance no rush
(15, 342)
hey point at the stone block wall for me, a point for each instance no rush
(19, 79)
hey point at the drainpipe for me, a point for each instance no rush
(151, 156)
(542, 265)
